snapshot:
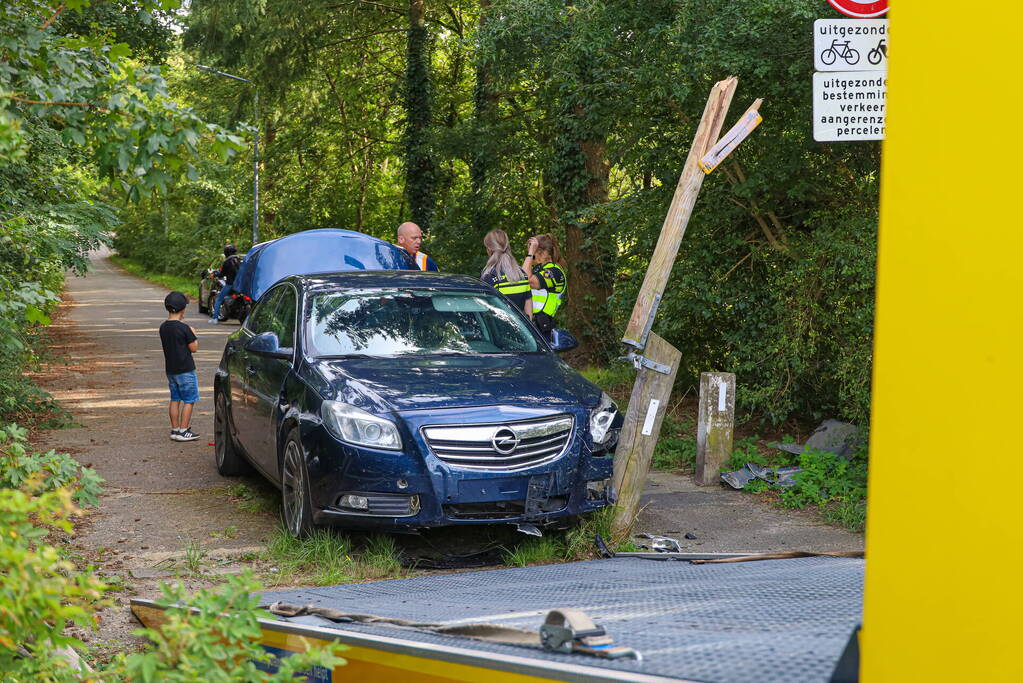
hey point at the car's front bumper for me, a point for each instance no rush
(414, 489)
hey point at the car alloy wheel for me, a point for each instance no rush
(221, 432)
(294, 490)
(230, 462)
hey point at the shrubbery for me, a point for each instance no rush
(41, 592)
(48, 471)
(835, 485)
(209, 636)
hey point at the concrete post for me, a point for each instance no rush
(715, 425)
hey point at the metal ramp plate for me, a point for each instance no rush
(765, 621)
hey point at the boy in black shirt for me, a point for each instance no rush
(179, 343)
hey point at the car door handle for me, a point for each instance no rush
(249, 369)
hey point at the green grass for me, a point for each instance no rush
(194, 559)
(835, 486)
(535, 551)
(572, 544)
(326, 558)
(676, 448)
(259, 499)
(187, 285)
(616, 379)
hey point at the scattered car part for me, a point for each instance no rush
(833, 436)
(739, 478)
(660, 544)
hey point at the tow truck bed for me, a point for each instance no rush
(765, 621)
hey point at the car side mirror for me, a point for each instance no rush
(268, 345)
(563, 340)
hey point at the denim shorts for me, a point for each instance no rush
(184, 387)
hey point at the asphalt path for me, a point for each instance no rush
(160, 494)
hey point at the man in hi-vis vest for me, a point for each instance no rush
(409, 239)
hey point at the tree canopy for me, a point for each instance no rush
(532, 116)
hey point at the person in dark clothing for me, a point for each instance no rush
(502, 271)
(228, 271)
(179, 343)
(547, 278)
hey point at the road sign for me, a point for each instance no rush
(849, 105)
(850, 44)
(861, 9)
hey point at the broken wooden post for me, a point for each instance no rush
(714, 427)
(636, 447)
(677, 218)
(643, 419)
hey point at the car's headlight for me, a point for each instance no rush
(356, 426)
(601, 418)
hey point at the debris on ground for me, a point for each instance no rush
(840, 438)
(660, 544)
(831, 436)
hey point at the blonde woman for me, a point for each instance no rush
(502, 272)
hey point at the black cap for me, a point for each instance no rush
(175, 301)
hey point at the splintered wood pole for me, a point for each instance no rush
(675, 222)
(659, 364)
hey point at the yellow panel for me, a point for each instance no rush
(367, 665)
(945, 527)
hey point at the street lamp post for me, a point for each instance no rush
(255, 149)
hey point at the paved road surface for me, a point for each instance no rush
(159, 493)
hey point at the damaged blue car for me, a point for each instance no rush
(401, 400)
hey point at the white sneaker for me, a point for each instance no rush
(186, 435)
(214, 321)
(175, 433)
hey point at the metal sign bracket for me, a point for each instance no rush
(640, 362)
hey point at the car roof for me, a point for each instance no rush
(383, 279)
(324, 250)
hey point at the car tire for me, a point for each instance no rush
(230, 462)
(296, 506)
(202, 309)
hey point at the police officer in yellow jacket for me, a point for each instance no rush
(547, 280)
(502, 271)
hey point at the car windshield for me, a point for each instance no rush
(399, 322)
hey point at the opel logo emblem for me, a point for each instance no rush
(504, 441)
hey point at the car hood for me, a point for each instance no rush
(418, 382)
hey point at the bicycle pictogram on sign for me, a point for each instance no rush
(878, 53)
(843, 51)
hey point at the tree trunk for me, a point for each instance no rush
(483, 115)
(580, 173)
(587, 255)
(420, 168)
